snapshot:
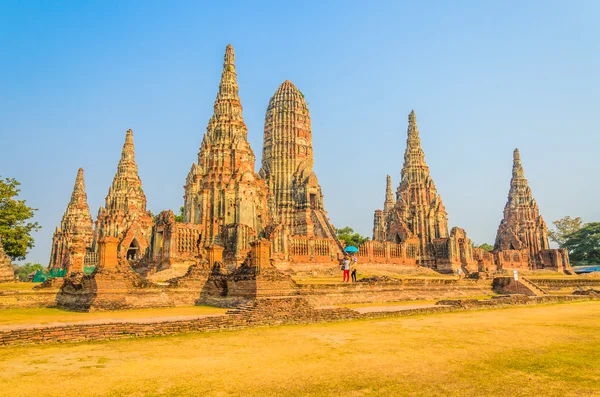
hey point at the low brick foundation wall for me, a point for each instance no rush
(573, 282)
(27, 299)
(188, 293)
(567, 285)
(264, 312)
(397, 290)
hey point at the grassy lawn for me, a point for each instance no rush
(47, 315)
(548, 350)
(17, 286)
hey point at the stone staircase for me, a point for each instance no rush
(167, 274)
(533, 287)
(330, 229)
(246, 308)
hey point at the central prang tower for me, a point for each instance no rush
(287, 167)
(222, 192)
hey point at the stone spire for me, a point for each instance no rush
(380, 217)
(389, 196)
(76, 221)
(77, 216)
(126, 192)
(522, 226)
(418, 204)
(287, 165)
(222, 191)
(226, 129)
(227, 104)
(124, 215)
(517, 166)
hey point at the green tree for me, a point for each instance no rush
(562, 228)
(584, 244)
(15, 230)
(179, 218)
(485, 246)
(22, 271)
(349, 237)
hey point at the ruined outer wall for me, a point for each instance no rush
(268, 312)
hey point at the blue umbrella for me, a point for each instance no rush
(351, 249)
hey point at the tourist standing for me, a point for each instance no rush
(346, 268)
(354, 269)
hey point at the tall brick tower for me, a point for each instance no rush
(379, 220)
(124, 215)
(287, 166)
(389, 202)
(522, 226)
(419, 210)
(76, 220)
(222, 191)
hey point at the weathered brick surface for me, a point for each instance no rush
(396, 290)
(567, 282)
(76, 228)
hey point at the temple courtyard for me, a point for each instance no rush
(480, 352)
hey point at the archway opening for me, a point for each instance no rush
(133, 252)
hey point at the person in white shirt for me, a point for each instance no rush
(346, 268)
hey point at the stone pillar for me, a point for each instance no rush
(261, 254)
(108, 258)
(386, 247)
(215, 254)
(369, 247)
(77, 252)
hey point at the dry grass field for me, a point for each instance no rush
(549, 350)
(45, 316)
(17, 286)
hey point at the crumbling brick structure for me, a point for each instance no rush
(223, 194)
(76, 223)
(417, 218)
(287, 167)
(124, 215)
(522, 238)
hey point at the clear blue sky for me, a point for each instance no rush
(484, 77)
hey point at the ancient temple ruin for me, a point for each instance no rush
(522, 237)
(124, 214)
(287, 167)
(419, 210)
(223, 194)
(76, 221)
(416, 221)
(243, 233)
(522, 225)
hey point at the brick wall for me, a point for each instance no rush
(264, 312)
(397, 290)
